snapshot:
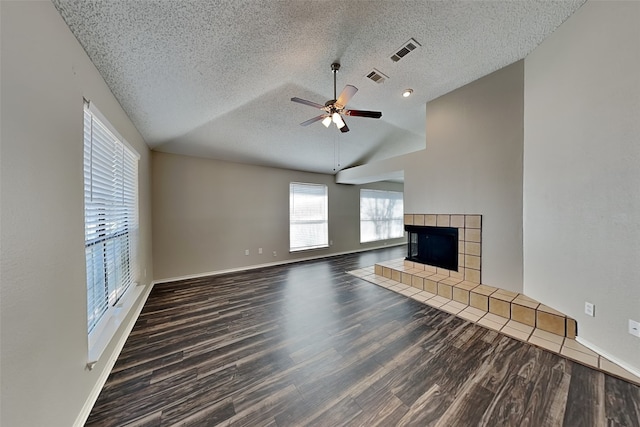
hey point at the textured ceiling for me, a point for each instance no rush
(214, 78)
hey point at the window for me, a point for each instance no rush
(380, 215)
(110, 218)
(308, 216)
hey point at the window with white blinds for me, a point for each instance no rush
(381, 215)
(111, 217)
(308, 216)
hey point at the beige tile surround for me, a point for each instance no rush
(465, 285)
(469, 242)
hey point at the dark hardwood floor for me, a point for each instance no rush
(308, 344)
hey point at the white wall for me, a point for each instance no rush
(207, 212)
(45, 75)
(473, 165)
(582, 173)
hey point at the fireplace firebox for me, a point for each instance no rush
(436, 246)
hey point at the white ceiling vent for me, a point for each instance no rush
(404, 50)
(376, 76)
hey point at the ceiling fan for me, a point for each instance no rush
(335, 108)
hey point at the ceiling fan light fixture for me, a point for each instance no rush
(327, 121)
(337, 119)
(407, 93)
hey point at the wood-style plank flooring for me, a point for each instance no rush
(308, 345)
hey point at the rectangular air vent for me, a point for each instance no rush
(376, 76)
(404, 50)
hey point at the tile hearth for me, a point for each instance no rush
(500, 302)
(509, 313)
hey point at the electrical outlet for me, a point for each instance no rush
(589, 309)
(275, 253)
(634, 328)
(259, 251)
(330, 242)
(246, 251)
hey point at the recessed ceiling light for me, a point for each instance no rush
(407, 92)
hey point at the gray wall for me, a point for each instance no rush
(206, 213)
(473, 165)
(582, 174)
(550, 150)
(45, 74)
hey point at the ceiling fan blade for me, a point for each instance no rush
(315, 119)
(346, 94)
(363, 113)
(345, 128)
(309, 103)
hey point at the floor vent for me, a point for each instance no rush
(376, 76)
(404, 50)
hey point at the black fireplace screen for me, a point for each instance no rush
(436, 246)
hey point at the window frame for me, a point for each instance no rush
(324, 242)
(112, 250)
(399, 219)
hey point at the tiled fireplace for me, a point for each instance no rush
(469, 242)
(465, 285)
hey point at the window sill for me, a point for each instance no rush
(113, 323)
(315, 248)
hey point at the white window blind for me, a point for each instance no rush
(381, 215)
(308, 216)
(111, 217)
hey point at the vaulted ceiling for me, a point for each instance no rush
(214, 78)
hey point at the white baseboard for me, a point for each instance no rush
(102, 379)
(603, 353)
(270, 264)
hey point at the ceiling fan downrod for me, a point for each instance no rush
(334, 68)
